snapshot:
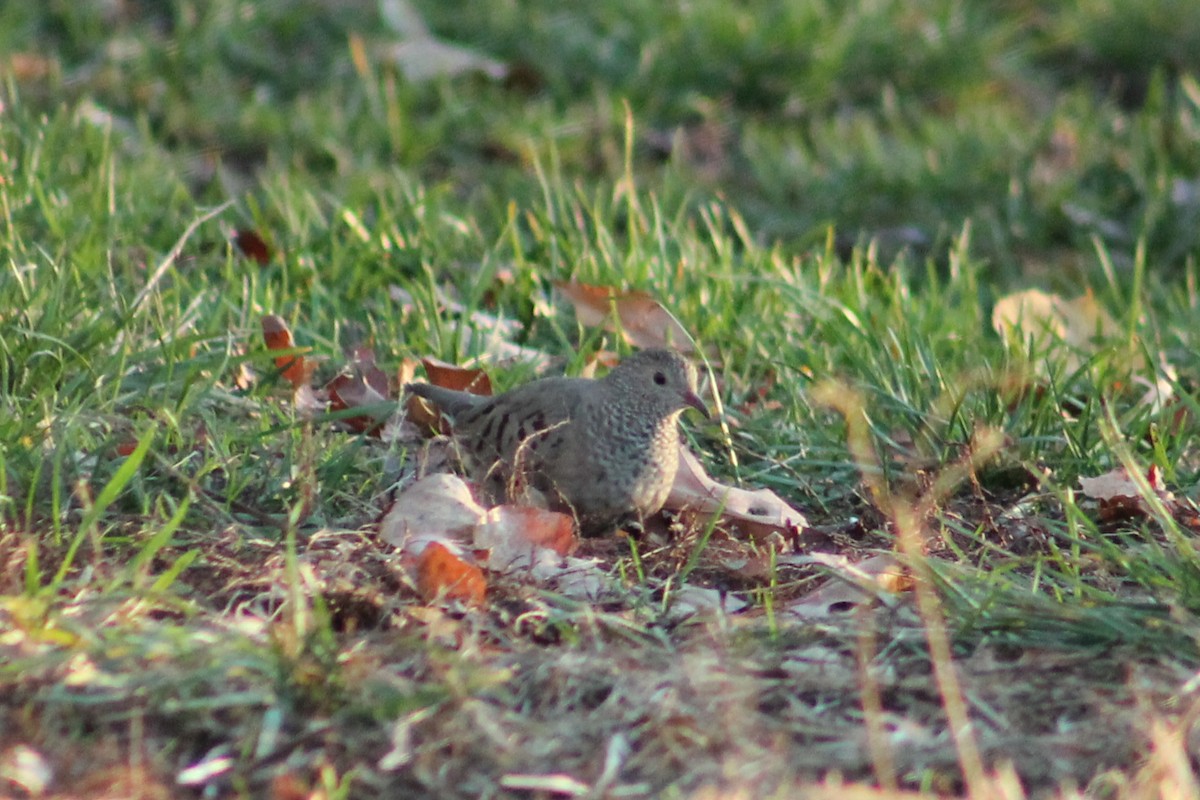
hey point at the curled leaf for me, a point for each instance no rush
(294, 366)
(638, 316)
(758, 513)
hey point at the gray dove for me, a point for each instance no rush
(605, 451)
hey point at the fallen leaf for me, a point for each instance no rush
(438, 513)
(689, 600)
(252, 245)
(512, 533)
(491, 335)
(758, 513)
(462, 379)
(308, 402)
(290, 786)
(1081, 323)
(448, 376)
(641, 319)
(30, 67)
(421, 56)
(26, 769)
(1119, 495)
(244, 376)
(294, 366)
(1161, 390)
(583, 579)
(436, 508)
(428, 58)
(443, 574)
(361, 385)
(851, 585)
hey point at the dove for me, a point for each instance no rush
(605, 451)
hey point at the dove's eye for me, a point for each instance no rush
(660, 379)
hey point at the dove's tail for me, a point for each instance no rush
(449, 401)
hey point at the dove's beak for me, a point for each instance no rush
(691, 400)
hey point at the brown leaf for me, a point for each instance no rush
(758, 513)
(1120, 496)
(290, 786)
(294, 366)
(641, 319)
(448, 376)
(252, 245)
(443, 574)
(461, 379)
(364, 384)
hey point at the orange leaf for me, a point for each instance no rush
(642, 320)
(442, 574)
(510, 530)
(295, 368)
(462, 379)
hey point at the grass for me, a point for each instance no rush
(831, 200)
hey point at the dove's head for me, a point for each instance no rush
(662, 379)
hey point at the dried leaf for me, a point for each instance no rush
(489, 335)
(436, 508)
(428, 58)
(640, 318)
(252, 245)
(26, 769)
(1078, 323)
(462, 379)
(308, 402)
(758, 513)
(421, 56)
(512, 535)
(29, 66)
(852, 584)
(443, 574)
(1120, 496)
(294, 366)
(402, 19)
(290, 786)
(448, 376)
(1160, 391)
(362, 385)
(689, 600)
